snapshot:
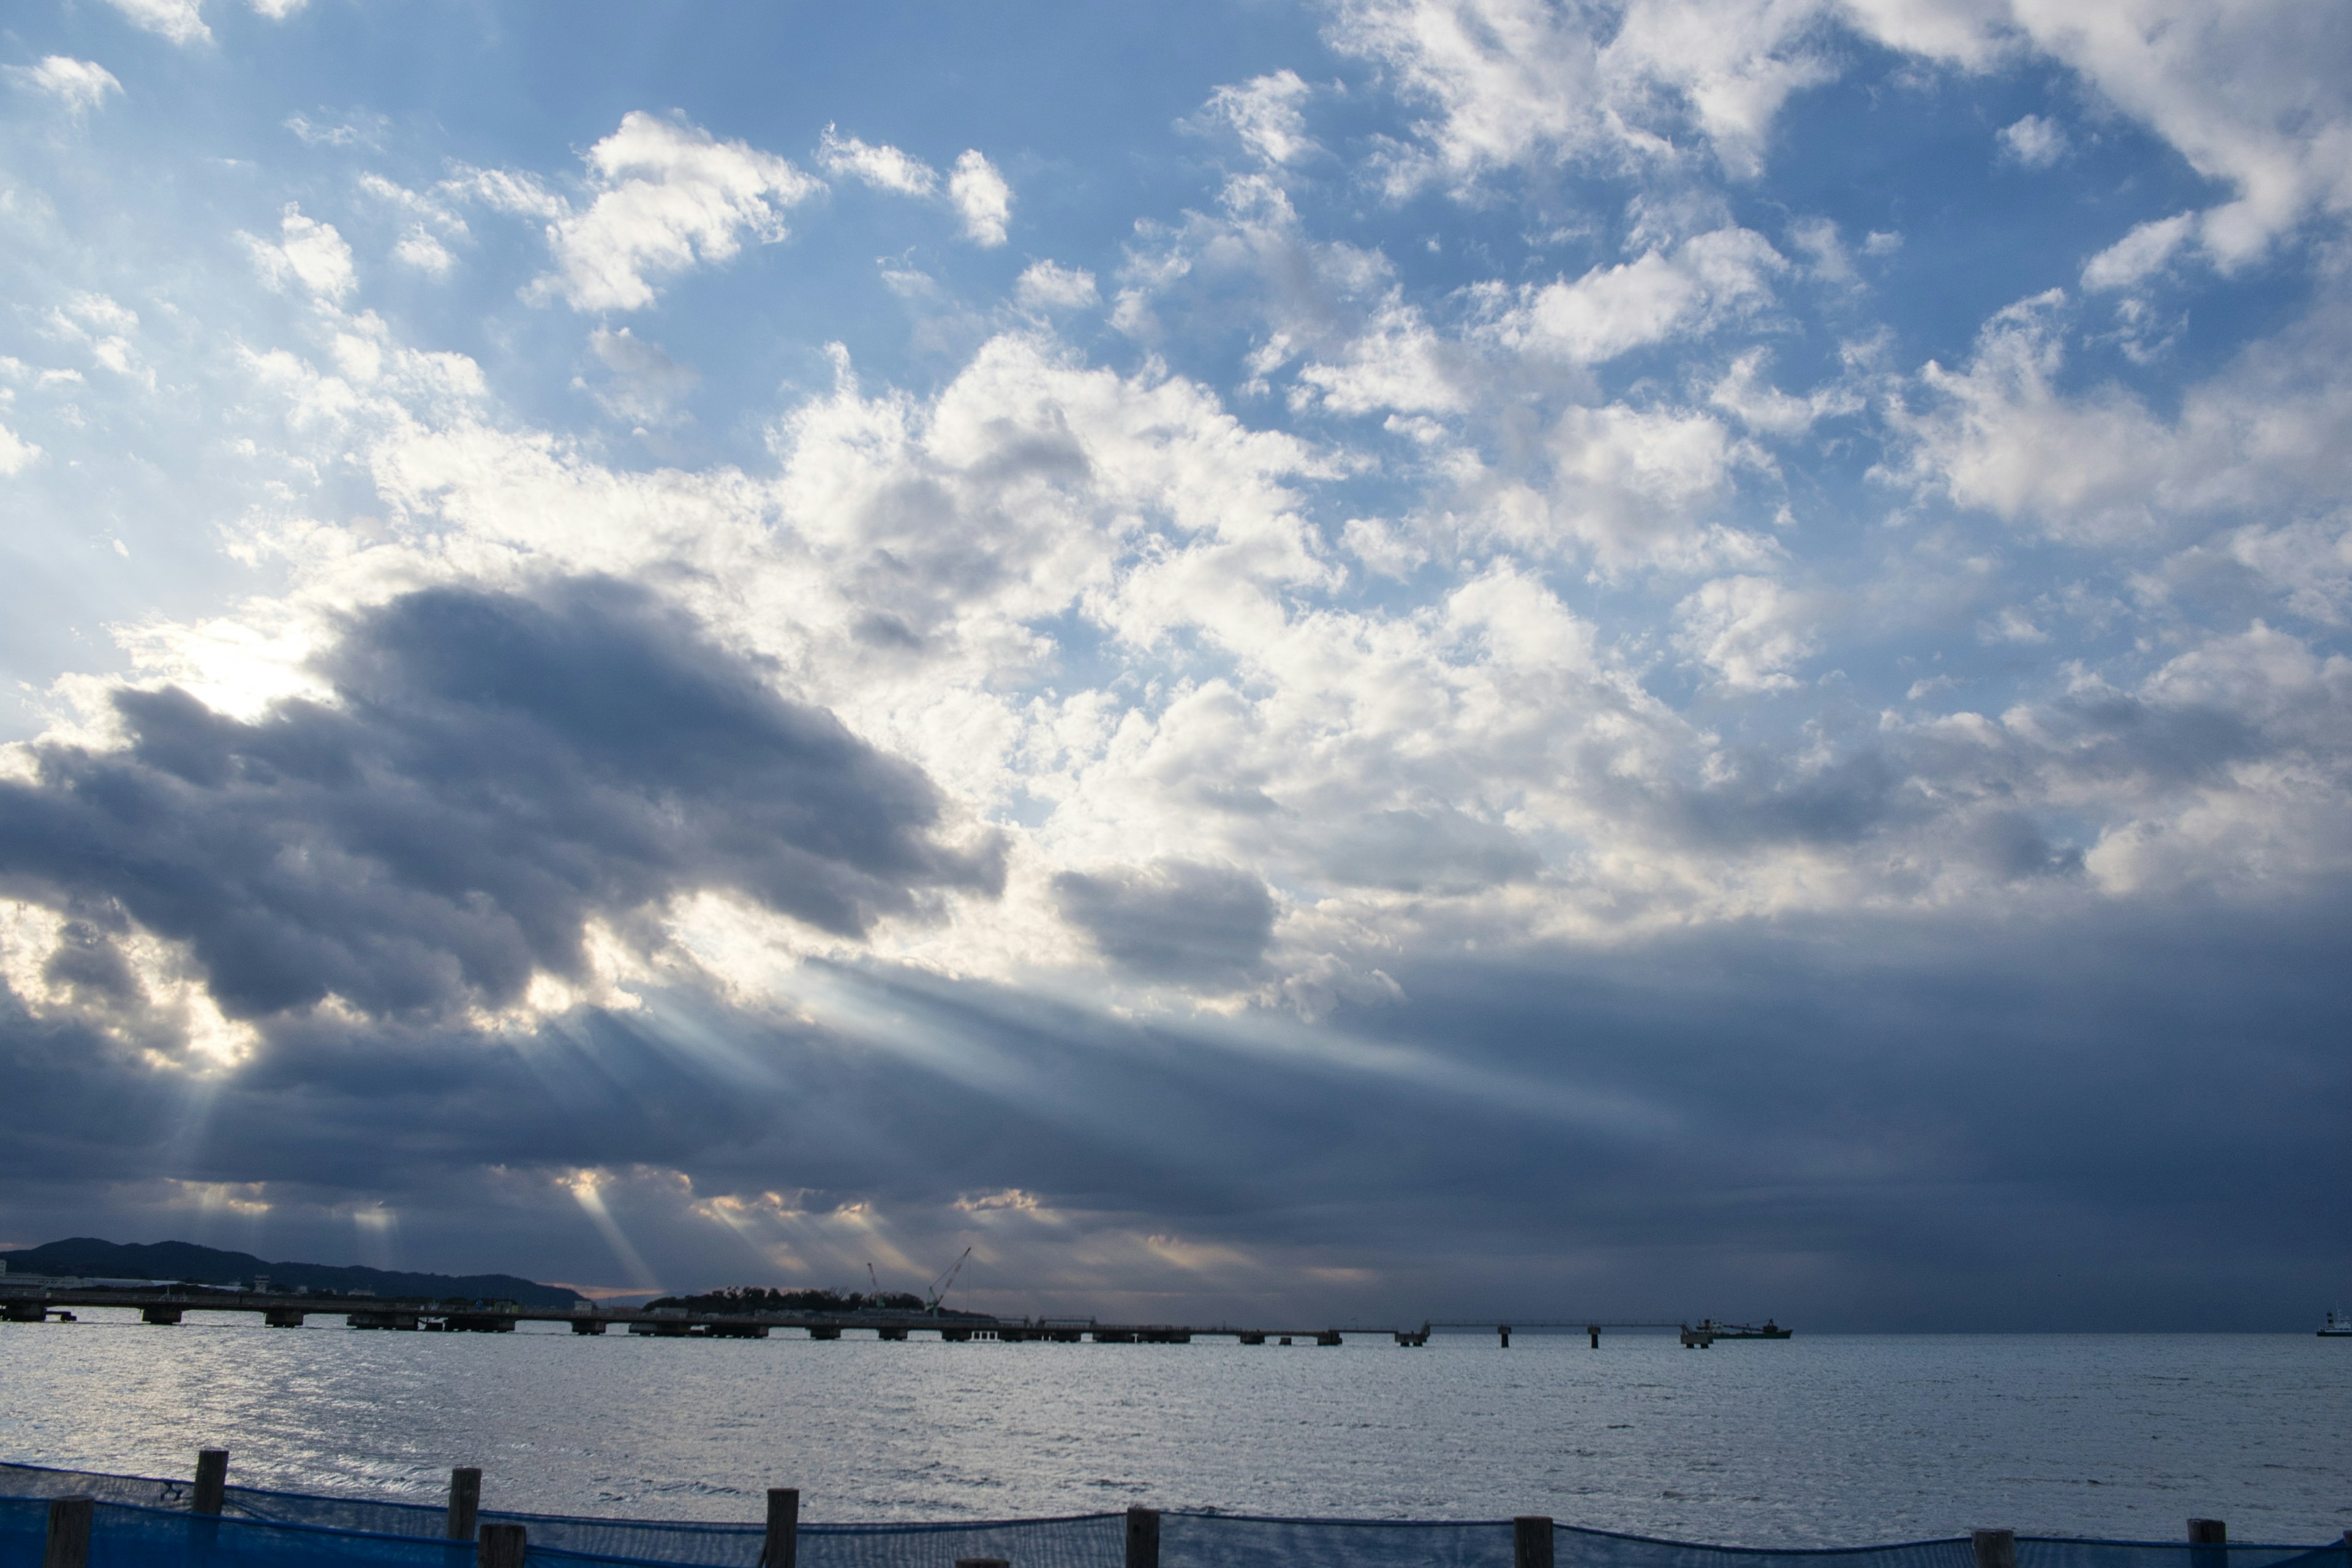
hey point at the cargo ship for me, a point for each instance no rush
(1769, 1330)
(2337, 1326)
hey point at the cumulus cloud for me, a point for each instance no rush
(421, 249)
(495, 775)
(884, 167)
(2005, 433)
(80, 85)
(667, 195)
(1511, 81)
(1046, 285)
(1748, 630)
(1660, 295)
(2037, 141)
(182, 21)
(17, 454)
(1264, 115)
(308, 253)
(981, 199)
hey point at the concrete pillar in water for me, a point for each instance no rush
(500, 1546)
(212, 1480)
(1143, 1538)
(69, 1538)
(782, 1546)
(465, 1502)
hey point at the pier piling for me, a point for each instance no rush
(782, 1546)
(1503, 1332)
(465, 1502)
(500, 1546)
(67, 1545)
(1531, 1541)
(1994, 1548)
(1143, 1538)
(981, 1562)
(212, 1482)
(2208, 1533)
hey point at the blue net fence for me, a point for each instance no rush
(146, 1523)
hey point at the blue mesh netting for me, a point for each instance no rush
(145, 1524)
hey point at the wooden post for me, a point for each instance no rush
(1995, 1548)
(2208, 1533)
(212, 1480)
(69, 1542)
(1143, 1538)
(1531, 1541)
(981, 1562)
(1503, 1332)
(465, 1502)
(1594, 1330)
(781, 1549)
(499, 1546)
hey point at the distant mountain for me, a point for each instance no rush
(89, 1256)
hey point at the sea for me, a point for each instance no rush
(1821, 1440)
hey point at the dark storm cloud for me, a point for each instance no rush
(496, 773)
(1902, 1122)
(1173, 920)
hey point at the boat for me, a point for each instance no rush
(1767, 1329)
(2337, 1326)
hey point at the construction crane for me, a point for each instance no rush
(875, 1298)
(940, 1285)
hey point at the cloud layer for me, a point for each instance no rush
(1691, 654)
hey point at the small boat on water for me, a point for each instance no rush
(2337, 1326)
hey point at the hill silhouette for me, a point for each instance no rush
(88, 1256)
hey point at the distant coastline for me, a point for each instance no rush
(89, 1256)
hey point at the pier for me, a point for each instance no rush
(28, 1301)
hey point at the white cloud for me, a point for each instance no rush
(17, 454)
(2142, 251)
(669, 195)
(308, 252)
(80, 85)
(2242, 90)
(1264, 112)
(1514, 82)
(1047, 286)
(981, 199)
(503, 190)
(276, 10)
(883, 168)
(2037, 141)
(421, 249)
(1656, 296)
(2100, 467)
(1748, 630)
(182, 21)
(1747, 396)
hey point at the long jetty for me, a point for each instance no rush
(25, 1299)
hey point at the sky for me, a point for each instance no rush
(1359, 660)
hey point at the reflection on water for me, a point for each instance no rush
(1839, 1441)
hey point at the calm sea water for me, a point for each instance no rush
(1814, 1441)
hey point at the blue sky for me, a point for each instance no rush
(1385, 658)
